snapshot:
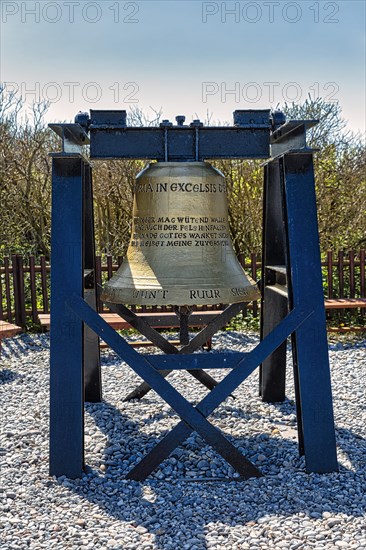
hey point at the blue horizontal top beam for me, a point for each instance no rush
(180, 144)
(110, 137)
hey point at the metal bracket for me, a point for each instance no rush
(291, 136)
(73, 137)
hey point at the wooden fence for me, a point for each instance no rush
(25, 283)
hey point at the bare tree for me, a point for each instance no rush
(340, 173)
(25, 178)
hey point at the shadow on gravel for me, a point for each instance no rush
(176, 511)
(7, 376)
(24, 344)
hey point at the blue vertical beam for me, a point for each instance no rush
(273, 222)
(273, 372)
(92, 371)
(272, 375)
(306, 290)
(66, 359)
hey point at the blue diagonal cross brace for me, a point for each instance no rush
(193, 418)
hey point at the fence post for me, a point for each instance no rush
(253, 257)
(109, 267)
(33, 290)
(18, 281)
(46, 308)
(15, 287)
(330, 273)
(341, 277)
(362, 277)
(1, 298)
(98, 281)
(9, 313)
(341, 273)
(351, 256)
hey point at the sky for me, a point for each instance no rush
(187, 57)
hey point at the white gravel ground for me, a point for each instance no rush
(190, 502)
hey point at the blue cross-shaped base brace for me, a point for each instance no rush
(193, 418)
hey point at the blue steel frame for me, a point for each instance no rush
(293, 302)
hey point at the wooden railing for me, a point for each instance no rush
(25, 282)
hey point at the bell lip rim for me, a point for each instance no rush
(252, 295)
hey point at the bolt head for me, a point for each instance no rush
(180, 119)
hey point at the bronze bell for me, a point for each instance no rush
(180, 251)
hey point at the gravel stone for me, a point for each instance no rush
(194, 500)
